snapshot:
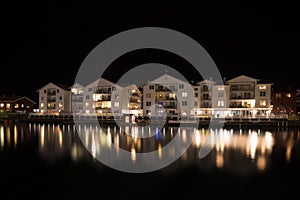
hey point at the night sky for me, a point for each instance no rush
(48, 42)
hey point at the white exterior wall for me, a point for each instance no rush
(58, 102)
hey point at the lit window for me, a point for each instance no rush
(221, 103)
(22, 105)
(262, 87)
(2, 105)
(184, 95)
(278, 95)
(87, 104)
(220, 88)
(117, 104)
(262, 103)
(60, 105)
(8, 106)
(172, 95)
(42, 105)
(16, 105)
(288, 95)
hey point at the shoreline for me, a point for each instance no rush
(201, 123)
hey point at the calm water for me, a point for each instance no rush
(44, 161)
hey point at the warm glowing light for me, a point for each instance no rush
(42, 137)
(15, 136)
(198, 138)
(2, 137)
(184, 136)
(219, 160)
(159, 151)
(133, 154)
(262, 87)
(261, 163)
(60, 138)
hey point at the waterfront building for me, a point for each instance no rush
(283, 100)
(107, 99)
(249, 97)
(54, 99)
(16, 104)
(168, 96)
(77, 98)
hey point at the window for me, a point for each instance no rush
(60, 97)
(196, 94)
(87, 97)
(117, 96)
(8, 106)
(148, 95)
(220, 94)
(195, 103)
(262, 87)
(113, 88)
(221, 103)
(148, 103)
(57, 90)
(205, 88)
(278, 95)
(87, 104)
(42, 105)
(262, 93)
(181, 86)
(172, 96)
(220, 88)
(60, 105)
(117, 104)
(289, 95)
(172, 87)
(22, 105)
(90, 89)
(2, 105)
(184, 103)
(184, 95)
(16, 105)
(151, 87)
(262, 103)
(45, 91)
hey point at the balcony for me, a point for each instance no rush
(51, 93)
(51, 100)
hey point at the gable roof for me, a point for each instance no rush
(51, 84)
(167, 79)
(14, 99)
(241, 79)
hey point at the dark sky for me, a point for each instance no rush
(48, 42)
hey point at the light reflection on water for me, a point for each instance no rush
(234, 150)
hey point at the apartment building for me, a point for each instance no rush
(168, 96)
(54, 99)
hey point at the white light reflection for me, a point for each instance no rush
(253, 144)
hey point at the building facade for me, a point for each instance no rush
(54, 99)
(16, 104)
(168, 96)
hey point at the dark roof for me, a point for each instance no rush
(13, 98)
